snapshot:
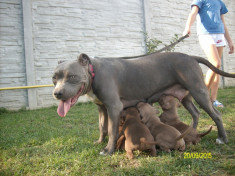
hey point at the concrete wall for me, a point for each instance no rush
(12, 60)
(35, 34)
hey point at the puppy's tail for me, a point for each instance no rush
(185, 133)
(144, 141)
(207, 132)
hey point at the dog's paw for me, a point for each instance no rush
(105, 152)
(219, 141)
(102, 153)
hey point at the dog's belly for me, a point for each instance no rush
(126, 103)
(130, 103)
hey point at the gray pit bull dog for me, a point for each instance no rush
(121, 83)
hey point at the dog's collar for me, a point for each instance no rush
(91, 71)
(92, 75)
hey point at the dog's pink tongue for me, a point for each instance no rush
(64, 107)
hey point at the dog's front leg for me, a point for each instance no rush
(114, 111)
(103, 123)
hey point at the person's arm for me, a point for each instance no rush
(191, 18)
(227, 36)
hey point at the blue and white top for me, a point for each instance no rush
(209, 16)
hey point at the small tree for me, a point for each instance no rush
(152, 44)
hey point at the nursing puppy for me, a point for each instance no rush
(170, 116)
(135, 134)
(167, 137)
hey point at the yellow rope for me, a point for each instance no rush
(26, 87)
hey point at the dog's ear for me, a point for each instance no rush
(61, 61)
(84, 59)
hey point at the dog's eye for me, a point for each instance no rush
(72, 77)
(54, 80)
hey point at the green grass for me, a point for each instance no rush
(39, 142)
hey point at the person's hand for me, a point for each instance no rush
(231, 48)
(187, 32)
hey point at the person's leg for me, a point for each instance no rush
(215, 84)
(214, 88)
(213, 56)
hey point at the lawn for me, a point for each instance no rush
(39, 142)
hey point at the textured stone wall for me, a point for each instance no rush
(12, 64)
(61, 30)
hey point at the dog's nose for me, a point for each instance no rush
(58, 94)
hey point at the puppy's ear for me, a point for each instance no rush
(61, 61)
(84, 59)
(161, 100)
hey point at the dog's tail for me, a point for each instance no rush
(207, 132)
(144, 141)
(212, 67)
(185, 133)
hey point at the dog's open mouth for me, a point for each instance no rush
(64, 106)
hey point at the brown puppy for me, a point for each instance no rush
(167, 137)
(136, 135)
(170, 116)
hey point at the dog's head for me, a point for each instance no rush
(168, 102)
(131, 112)
(71, 80)
(146, 111)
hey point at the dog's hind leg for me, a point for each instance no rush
(202, 98)
(120, 142)
(129, 154)
(192, 109)
(194, 83)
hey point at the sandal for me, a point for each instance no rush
(217, 104)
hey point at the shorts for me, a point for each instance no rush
(212, 39)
